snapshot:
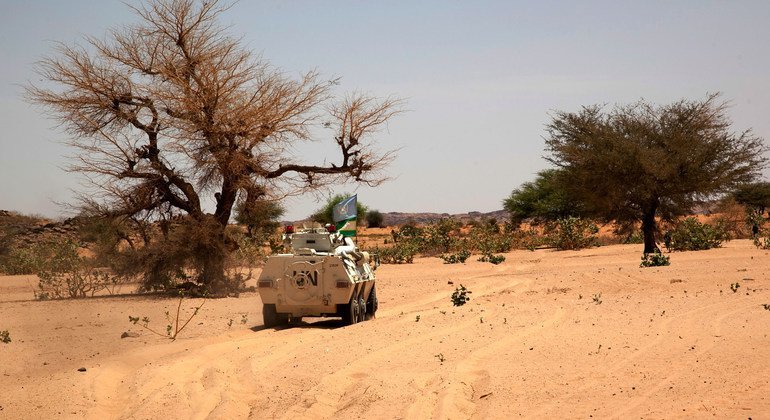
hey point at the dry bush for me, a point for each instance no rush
(63, 273)
(734, 218)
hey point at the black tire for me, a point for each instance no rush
(269, 315)
(361, 310)
(372, 304)
(349, 312)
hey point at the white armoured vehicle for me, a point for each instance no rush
(324, 275)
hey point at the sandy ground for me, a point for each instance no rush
(670, 342)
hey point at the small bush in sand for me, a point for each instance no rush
(460, 296)
(174, 327)
(491, 258)
(457, 257)
(735, 286)
(598, 298)
(244, 320)
(654, 259)
(5, 337)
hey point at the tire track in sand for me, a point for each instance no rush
(199, 379)
(457, 399)
(344, 388)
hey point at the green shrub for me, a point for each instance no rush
(399, 253)
(434, 239)
(21, 260)
(654, 259)
(5, 337)
(491, 258)
(458, 257)
(65, 274)
(438, 236)
(692, 235)
(488, 239)
(460, 296)
(572, 233)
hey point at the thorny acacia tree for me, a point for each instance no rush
(640, 161)
(755, 196)
(171, 111)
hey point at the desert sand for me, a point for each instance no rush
(546, 334)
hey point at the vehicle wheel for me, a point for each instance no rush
(372, 304)
(269, 316)
(361, 310)
(350, 312)
(354, 311)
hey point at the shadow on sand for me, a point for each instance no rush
(322, 323)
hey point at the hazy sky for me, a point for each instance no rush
(480, 79)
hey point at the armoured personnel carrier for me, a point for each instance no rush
(324, 275)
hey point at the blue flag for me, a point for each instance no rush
(344, 215)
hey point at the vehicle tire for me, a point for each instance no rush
(269, 316)
(362, 310)
(372, 304)
(354, 311)
(350, 312)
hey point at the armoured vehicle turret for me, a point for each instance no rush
(325, 274)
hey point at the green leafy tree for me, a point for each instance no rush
(754, 195)
(325, 213)
(545, 199)
(374, 219)
(640, 161)
(261, 217)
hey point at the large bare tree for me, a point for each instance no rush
(172, 113)
(641, 161)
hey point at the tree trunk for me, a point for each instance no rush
(212, 255)
(213, 274)
(648, 229)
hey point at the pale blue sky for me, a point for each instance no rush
(480, 79)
